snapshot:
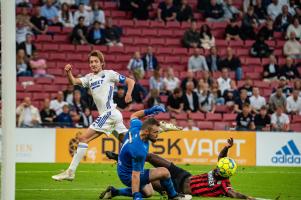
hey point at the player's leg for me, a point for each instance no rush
(157, 161)
(119, 129)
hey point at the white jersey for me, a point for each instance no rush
(102, 88)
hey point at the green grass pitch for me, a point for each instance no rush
(33, 181)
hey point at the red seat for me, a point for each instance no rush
(61, 81)
(172, 59)
(44, 38)
(133, 32)
(137, 106)
(172, 42)
(55, 72)
(75, 57)
(181, 116)
(66, 47)
(95, 114)
(50, 47)
(165, 33)
(51, 88)
(157, 41)
(236, 43)
(221, 109)
(197, 116)
(229, 117)
(115, 49)
(115, 14)
(156, 24)
(261, 84)
(22, 95)
(203, 125)
(296, 118)
(40, 96)
(131, 49)
(61, 38)
(142, 24)
(149, 32)
(25, 79)
(127, 40)
(43, 80)
(296, 127)
(221, 43)
(57, 56)
(163, 50)
(54, 29)
(163, 116)
(83, 48)
(180, 51)
(141, 41)
(250, 61)
(173, 24)
(164, 99)
(221, 125)
(213, 116)
(34, 88)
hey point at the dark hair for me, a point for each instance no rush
(65, 14)
(150, 122)
(120, 88)
(246, 105)
(207, 32)
(80, 18)
(177, 91)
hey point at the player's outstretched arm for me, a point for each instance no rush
(151, 111)
(72, 80)
(130, 85)
(224, 151)
(135, 185)
(237, 195)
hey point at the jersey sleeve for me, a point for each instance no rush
(137, 161)
(116, 77)
(226, 185)
(85, 81)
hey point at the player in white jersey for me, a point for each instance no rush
(101, 83)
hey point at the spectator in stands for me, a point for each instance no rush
(286, 88)
(289, 70)
(294, 27)
(23, 68)
(78, 103)
(28, 45)
(257, 101)
(190, 77)
(230, 95)
(86, 118)
(156, 82)
(197, 62)
(68, 94)
(64, 118)
(28, 116)
(39, 66)
(97, 14)
(191, 37)
(292, 47)
(47, 115)
(262, 120)
(23, 3)
(207, 77)
(39, 22)
(170, 81)
(233, 63)
(206, 100)
(82, 12)
(243, 98)
(150, 61)
(231, 12)
(23, 25)
(217, 94)
(65, 16)
(190, 126)
(249, 24)
(213, 60)
(274, 9)
(166, 11)
(184, 12)
(232, 30)
(277, 99)
(118, 98)
(136, 67)
(84, 2)
(139, 93)
(154, 98)
(279, 120)
(260, 49)
(58, 103)
(260, 11)
(297, 86)
(245, 120)
(267, 31)
(112, 34)
(124, 5)
(191, 101)
(140, 9)
(175, 102)
(207, 40)
(248, 85)
(270, 70)
(293, 103)
(79, 32)
(214, 12)
(283, 20)
(224, 81)
(96, 34)
(50, 12)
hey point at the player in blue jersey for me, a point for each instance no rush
(132, 157)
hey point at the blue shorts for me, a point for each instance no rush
(126, 178)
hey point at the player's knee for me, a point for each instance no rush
(148, 194)
(164, 173)
(82, 139)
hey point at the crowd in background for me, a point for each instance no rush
(258, 20)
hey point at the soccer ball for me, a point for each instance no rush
(226, 167)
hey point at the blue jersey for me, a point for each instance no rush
(133, 152)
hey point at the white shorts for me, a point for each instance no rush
(108, 122)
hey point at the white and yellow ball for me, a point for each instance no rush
(226, 167)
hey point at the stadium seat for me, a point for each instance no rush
(61, 38)
(40, 96)
(180, 116)
(197, 116)
(296, 127)
(43, 38)
(95, 114)
(163, 116)
(213, 116)
(221, 125)
(165, 33)
(132, 32)
(229, 117)
(50, 47)
(60, 81)
(137, 106)
(83, 48)
(296, 118)
(157, 41)
(149, 32)
(43, 80)
(221, 109)
(34, 88)
(126, 114)
(142, 24)
(66, 47)
(156, 24)
(205, 125)
(54, 29)
(141, 41)
(173, 24)
(164, 98)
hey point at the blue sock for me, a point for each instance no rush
(168, 185)
(122, 192)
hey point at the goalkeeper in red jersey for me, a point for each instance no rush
(211, 184)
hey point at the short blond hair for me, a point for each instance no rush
(97, 54)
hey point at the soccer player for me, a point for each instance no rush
(210, 184)
(132, 157)
(101, 84)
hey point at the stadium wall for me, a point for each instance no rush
(193, 147)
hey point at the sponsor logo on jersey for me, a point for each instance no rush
(210, 179)
(288, 154)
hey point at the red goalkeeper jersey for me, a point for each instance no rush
(207, 186)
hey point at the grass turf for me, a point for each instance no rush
(33, 181)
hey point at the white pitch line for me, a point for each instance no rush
(60, 189)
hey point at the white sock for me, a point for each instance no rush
(78, 156)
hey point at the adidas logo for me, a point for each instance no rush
(288, 154)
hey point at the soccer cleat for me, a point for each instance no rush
(111, 155)
(107, 194)
(168, 127)
(182, 197)
(67, 175)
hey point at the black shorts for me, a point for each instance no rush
(178, 176)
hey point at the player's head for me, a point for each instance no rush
(150, 129)
(96, 61)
